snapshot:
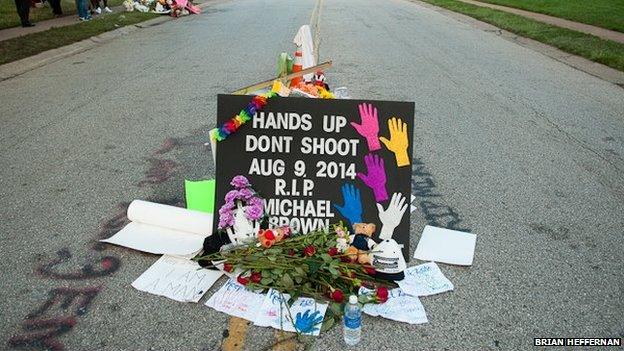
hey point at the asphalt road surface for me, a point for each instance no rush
(524, 151)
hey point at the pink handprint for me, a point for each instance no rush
(376, 177)
(369, 128)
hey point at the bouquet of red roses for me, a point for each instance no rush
(302, 265)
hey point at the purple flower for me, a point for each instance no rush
(240, 182)
(255, 201)
(231, 196)
(230, 205)
(254, 212)
(227, 207)
(246, 193)
(226, 220)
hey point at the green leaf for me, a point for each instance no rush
(266, 281)
(272, 258)
(363, 299)
(327, 324)
(336, 308)
(333, 271)
(287, 281)
(327, 258)
(298, 279)
(299, 270)
(313, 266)
(295, 295)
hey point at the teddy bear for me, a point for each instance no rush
(361, 243)
(268, 237)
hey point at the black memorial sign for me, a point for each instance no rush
(308, 161)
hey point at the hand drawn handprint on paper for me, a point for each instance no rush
(307, 323)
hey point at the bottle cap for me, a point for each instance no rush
(353, 299)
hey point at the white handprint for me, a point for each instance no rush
(392, 216)
(243, 229)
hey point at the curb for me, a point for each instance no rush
(16, 68)
(580, 63)
(602, 33)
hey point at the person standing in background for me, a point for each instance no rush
(98, 9)
(83, 10)
(56, 7)
(23, 10)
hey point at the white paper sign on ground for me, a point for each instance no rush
(177, 278)
(307, 314)
(235, 300)
(424, 280)
(163, 229)
(445, 245)
(270, 313)
(399, 307)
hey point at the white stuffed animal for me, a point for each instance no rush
(243, 229)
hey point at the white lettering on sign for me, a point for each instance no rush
(299, 208)
(333, 123)
(267, 167)
(289, 121)
(329, 146)
(265, 143)
(297, 187)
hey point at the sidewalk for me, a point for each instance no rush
(41, 26)
(556, 21)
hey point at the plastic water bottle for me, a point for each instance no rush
(352, 321)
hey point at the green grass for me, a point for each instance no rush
(593, 48)
(9, 18)
(31, 44)
(602, 13)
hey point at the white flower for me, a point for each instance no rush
(341, 244)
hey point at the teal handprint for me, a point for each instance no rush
(307, 323)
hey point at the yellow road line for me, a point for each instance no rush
(315, 27)
(285, 341)
(237, 329)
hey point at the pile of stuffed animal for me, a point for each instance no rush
(175, 8)
(317, 88)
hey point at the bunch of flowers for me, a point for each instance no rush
(243, 193)
(304, 265)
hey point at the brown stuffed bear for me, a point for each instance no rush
(362, 242)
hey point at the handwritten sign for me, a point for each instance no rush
(176, 278)
(270, 312)
(399, 307)
(235, 300)
(318, 162)
(304, 316)
(424, 280)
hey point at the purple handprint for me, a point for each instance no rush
(369, 128)
(376, 177)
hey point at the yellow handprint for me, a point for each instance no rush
(398, 142)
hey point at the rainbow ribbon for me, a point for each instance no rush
(256, 104)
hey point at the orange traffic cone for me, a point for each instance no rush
(297, 67)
